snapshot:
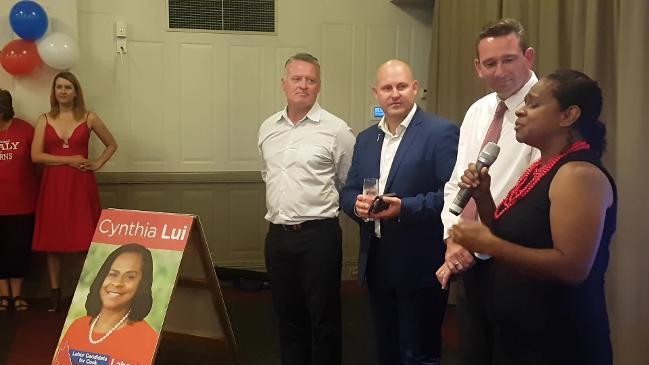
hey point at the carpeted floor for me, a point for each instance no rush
(29, 338)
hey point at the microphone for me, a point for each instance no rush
(485, 159)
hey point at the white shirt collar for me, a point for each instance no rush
(402, 126)
(517, 98)
(313, 115)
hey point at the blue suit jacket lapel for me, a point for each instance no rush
(408, 139)
(375, 153)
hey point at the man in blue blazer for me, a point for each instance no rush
(412, 154)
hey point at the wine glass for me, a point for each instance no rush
(370, 188)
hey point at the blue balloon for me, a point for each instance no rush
(28, 20)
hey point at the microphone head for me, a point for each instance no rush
(489, 154)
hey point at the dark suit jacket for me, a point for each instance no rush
(422, 165)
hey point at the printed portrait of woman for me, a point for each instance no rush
(119, 299)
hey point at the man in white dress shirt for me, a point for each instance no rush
(504, 64)
(306, 152)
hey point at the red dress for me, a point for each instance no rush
(68, 207)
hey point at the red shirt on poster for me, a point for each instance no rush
(18, 181)
(133, 344)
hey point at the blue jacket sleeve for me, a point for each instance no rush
(353, 186)
(426, 207)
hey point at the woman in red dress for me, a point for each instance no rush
(68, 208)
(18, 188)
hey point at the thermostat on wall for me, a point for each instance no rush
(378, 113)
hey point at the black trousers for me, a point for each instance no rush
(15, 245)
(476, 334)
(407, 322)
(304, 269)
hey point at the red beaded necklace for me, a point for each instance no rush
(537, 171)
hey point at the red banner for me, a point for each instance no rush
(153, 230)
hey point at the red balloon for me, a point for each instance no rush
(20, 57)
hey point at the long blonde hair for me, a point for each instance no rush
(79, 104)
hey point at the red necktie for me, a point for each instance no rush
(493, 134)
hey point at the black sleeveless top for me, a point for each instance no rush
(542, 322)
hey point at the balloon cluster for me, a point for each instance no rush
(21, 56)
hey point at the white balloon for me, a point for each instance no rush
(58, 50)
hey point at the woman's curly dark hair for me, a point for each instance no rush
(6, 105)
(576, 88)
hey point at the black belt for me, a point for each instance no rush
(304, 225)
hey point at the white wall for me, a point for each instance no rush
(185, 102)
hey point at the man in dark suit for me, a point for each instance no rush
(412, 154)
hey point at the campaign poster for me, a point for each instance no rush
(121, 300)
